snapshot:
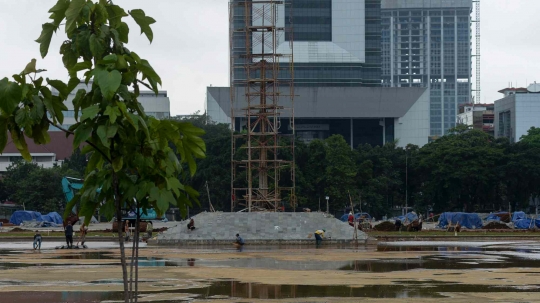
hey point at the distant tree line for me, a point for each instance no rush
(465, 170)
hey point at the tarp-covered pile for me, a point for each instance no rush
(408, 218)
(500, 216)
(468, 220)
(526, 223)
(50, 219)
(518, 215)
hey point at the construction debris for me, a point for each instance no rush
(385, 226)
(495, 225)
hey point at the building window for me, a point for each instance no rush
(311, 20)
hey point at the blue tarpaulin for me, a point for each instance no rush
(408, 218)
(468, 220)
(518, 215)
(357, 216)
(494, 217)
(52, 217)
(22, 215)
(526, 223)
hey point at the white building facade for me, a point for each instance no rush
(517, 112)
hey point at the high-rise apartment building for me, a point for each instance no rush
(427, 43)
(336, 42)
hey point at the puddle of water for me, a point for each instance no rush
(234, 289)
(64, 296)
(45, 245)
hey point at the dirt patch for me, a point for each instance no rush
(495, 225)
(385, 226)
(17, 230)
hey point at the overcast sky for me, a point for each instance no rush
(190, 48)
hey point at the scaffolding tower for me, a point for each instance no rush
(477, 52)
(262, 96)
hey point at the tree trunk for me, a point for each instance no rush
(118, 203)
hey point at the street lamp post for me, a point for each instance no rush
(327, 205)
(406, 180)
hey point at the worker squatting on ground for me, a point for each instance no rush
(69, 234)
(319, 236)
(191, 224)
(239, 242)
(37, 241)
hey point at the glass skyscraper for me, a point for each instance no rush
(336, 42)
(428, 44)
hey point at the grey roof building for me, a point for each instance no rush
(386, 114)
(427, 43)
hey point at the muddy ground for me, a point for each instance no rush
(289, 274)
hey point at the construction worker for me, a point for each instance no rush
(83, 230)
(239, 242)
(69, 235)
(191, 224)
(126, 229)
(37, 241)
(350, 219)
(149, 229)
(319, 236)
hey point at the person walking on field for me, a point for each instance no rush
(69, 235)
(83, 230)
(37, 241)
(126, 230)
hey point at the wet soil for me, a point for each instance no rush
(488, 272)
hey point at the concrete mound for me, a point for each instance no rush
(259, 228)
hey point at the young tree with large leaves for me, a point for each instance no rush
(131, 157)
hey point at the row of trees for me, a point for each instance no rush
(466, 170)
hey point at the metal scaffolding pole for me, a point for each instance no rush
(262, 96)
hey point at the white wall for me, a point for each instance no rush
(413, 127)
(527, 113)
(214, 111)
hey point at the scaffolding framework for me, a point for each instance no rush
(262, 96)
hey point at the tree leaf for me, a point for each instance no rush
(44, 40)
(30, 67)
(116, 13)
(72, 83)
(90, 112)
(20, 144)
(112, 112)
(81, 66)
(117, 163)
(144, 22)
(123, 32)
(38, 110)
(72, 13)
(108, 82)
(82, 133)
(59, 11)
(96, 47)
(3, 133)
(10, 95)
(60, 86)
